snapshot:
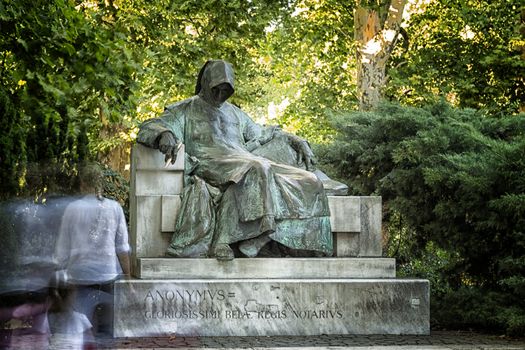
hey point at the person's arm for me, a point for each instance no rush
(125, 263)
(122, 248)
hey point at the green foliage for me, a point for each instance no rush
(82, 75)
(452, 178)
(68, 70)
(307, 67)
(116, 187)
(480, 308)
(11, 146)
(433, 263)
(175, 38)
(468, 51)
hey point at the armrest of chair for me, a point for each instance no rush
(155, 195)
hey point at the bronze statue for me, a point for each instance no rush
(247, 183)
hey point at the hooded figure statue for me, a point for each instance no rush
(249, 184)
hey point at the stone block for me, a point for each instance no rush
(350, 215)
(370, 236)
(258, 307)
(346, 244)
(153, 183)
(170, 211)
(266, 268)
(146, 237)
(145, 158)
(345, 213)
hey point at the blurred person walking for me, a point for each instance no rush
(70, 329)
(92, 249)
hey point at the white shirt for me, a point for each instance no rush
(92, 233)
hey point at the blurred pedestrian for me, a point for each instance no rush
(92, 249)
(70, 329)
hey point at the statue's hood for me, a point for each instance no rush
(212, 74)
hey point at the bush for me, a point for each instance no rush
(454, 179)
(117, 187)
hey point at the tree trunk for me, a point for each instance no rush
(522, 30)
(375, 41)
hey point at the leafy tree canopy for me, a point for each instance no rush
(470, 52)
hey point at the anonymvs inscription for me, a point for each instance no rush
(173, 304)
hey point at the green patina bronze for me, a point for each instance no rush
(244, 182)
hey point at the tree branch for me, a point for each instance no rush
(395, 15)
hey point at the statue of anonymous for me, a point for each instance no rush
(249, 183)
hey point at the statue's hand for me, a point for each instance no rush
(169, 146)
(306, 155)
(304, 152)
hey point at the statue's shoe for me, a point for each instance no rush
(251, 247)
(191, 251)
(223, 252)
(331, 187)
(175, 252)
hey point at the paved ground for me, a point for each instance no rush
(438, 340)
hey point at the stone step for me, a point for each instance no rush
(161, 268)
(259, 307)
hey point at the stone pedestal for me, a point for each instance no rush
(353, 293)
(271, 307)
(270, 296)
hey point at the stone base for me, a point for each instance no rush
(262, 268)
(270, 307)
